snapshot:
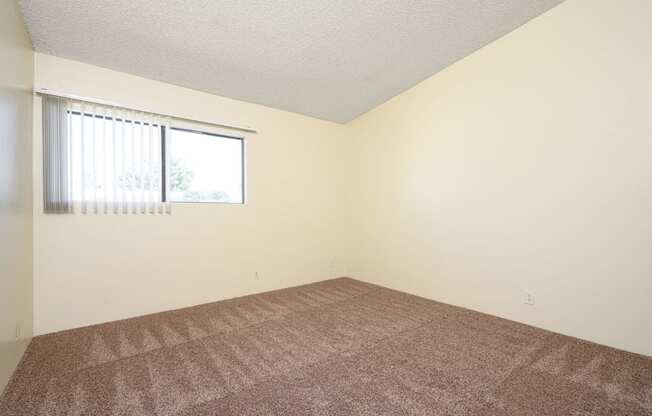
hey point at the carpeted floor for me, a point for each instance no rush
(339, 347)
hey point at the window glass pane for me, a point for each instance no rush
(205, 167)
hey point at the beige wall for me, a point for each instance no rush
(525, 166)
(16, 75)
(90, 269)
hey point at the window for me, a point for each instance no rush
(123, 161)
(205, 167)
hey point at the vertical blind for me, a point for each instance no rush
(103, 159)
(57, 175)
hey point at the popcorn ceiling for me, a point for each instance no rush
(331, 59)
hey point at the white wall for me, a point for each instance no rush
(525, 166)
(90, 269)
(16, 75)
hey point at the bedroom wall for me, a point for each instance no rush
(16, 76)
(95, 268)
(523, 167)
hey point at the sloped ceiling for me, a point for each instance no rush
(331, 59)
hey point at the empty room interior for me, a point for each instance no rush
(326, 207)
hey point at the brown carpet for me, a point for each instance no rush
(340, 347)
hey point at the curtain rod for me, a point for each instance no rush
(46, 91)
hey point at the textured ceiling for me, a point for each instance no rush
(331, 59)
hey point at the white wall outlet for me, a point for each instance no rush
(256, 276)
(529, 298)
(17, 330)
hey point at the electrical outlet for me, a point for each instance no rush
(17, 330)
(529, 298)
(256, 276)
